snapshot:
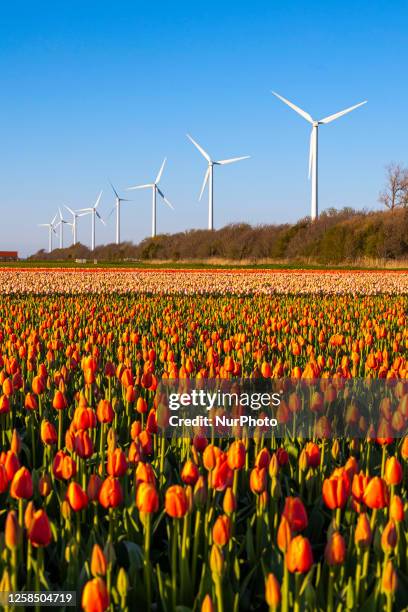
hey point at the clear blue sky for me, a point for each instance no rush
(99, 90)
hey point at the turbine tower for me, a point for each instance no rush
(118, 201)
(155, 190)
(209, 177)
(61, 224)
(51, 230)
(92, 211)
(313, 150)
(74, 224)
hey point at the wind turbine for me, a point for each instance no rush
(155, 190)
(51, 230)
(92, 211)
(118, 201)
(75, 216)
(313, 151)
(209, 177)
(61, 224)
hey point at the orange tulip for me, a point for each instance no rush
(39, 532)
(12, 530)
(299, 556)
(77, 498)
(257, 480)
(95, 596)
(117, 464)
(147, 498)
(362, 534)
(229, 503)
(236, 455)
(190, 473)
(335, 551)
(272, 591)
(104, 412)
(376, 493)
(176, 501)
(99, 563)
(393, 471)
(221, 532)
(59, 402)
(295, 513)
(22, 485)
(110, 493)
(284, 535)
(396, 509)
(389, 580)
(389, 537)
(336, 490)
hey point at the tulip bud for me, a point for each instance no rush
(389, 580)
(362, 534)
(122, 583)
(207, 605)
(335, 551)
(272, 591)
(389, 537)
(216, 561)
(284, 535)
(5, 582)
(15, 442)
(44, 485)
(98, 562)
(229, 503)
(200, 492)
(12, 532)
(95, 596)
(273, 466)
(276, 491)
(335, 449)
(396, 509)
(393, 471)
(303, 462)
(221, 532)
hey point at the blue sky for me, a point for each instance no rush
(93, 91)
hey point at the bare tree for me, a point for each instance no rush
(395, 194)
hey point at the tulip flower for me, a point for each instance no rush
(335, 551)
(376, 493)
(295, 513)
(272, 592)
(39, 532)
(393, 471)
(176, 501)
(98, 562)
(221, 532)
(299, 557)
(76, 496)
(22, 485)
(110, 493)
(95, 596)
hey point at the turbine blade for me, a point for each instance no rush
(54, 220)
(99, 217)
(110, 214)
(341, 113)
(139, 187)
(203, 153)
(158, 177)
(206, 175)
(43, 224)
(70, 209)
(85, 210)
(98, 200)
(298, 110)
(165, 199)
(114, 190)
(125, 200)
(222, 162)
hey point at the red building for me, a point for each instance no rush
(8, 255)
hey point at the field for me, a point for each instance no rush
(95, 498)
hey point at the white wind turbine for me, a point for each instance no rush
(313, 151)
(209, 177)
(51, 230)
(74, 224)
(155, 190)
(118, 201)
(61, 224)
(92, 211)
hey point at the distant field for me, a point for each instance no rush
(213, 264)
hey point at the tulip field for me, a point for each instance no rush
(96, 499)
